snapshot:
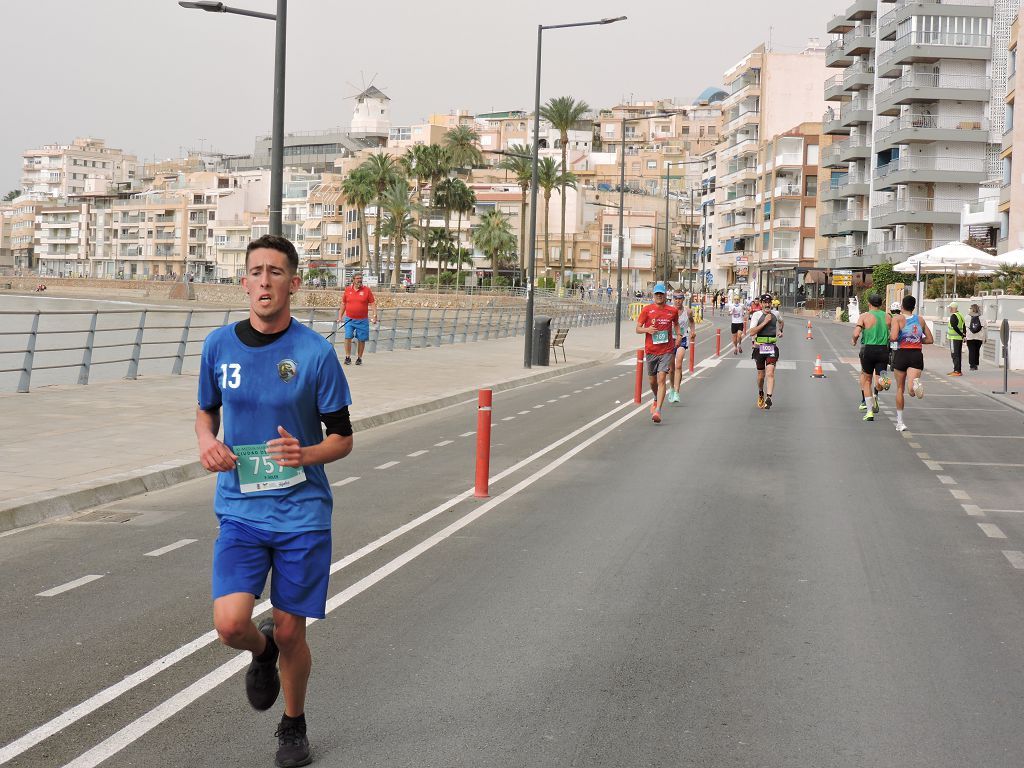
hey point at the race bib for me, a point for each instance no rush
(768, 350)
(258, 472)
(660, 337)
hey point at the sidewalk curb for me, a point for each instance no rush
(51, 505)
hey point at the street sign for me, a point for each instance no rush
(709, 278)
(841, 280)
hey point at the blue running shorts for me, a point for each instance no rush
(243, 556)
(358, 329)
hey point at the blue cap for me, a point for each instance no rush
(660, 288)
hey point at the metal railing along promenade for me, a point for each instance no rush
(44, 347)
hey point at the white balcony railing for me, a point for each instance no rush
(922, 163)
(918, 205)
(923, 120)
(923, 80)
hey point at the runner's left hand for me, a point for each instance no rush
(285, 450)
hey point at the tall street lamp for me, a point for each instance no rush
(668, 167)
(531, 267)
(277, 132)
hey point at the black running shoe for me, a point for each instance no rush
(767, 402)
(262, 683)
(292, 745)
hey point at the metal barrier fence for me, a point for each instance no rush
(43, 347)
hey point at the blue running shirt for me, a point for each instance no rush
(288, 382)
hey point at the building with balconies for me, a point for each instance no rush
(1010, 222)
(920, 109)
(768, 92)
(60, 170)
(60, 241)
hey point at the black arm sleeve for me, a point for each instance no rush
(337, 422)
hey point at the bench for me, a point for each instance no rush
(558, 340)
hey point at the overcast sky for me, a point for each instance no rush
(154, 79)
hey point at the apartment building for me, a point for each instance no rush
(921, 95)
(6, 255)
(786, 236)
(1010, 217)
(24, 210)
(60, 240)
(768, 91)
(60, 170)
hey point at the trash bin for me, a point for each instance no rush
(541, 340)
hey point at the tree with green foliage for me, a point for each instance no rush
(463, 201)
(549, 177)
(359, 192)
(11, 195)
(382, 170)
(462, 143)
(399, 208)
(563, 113)
(495, 238)
(520, 165)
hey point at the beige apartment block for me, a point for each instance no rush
(60, 235)
(24, 210)
(769, 92)
(1011, 194)
(6, 255)
(60, 170)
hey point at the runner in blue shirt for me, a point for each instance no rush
(276, 382)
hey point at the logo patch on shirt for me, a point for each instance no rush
(287, 370)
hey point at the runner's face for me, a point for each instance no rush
(659, 298)
(269, 283)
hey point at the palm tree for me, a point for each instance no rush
(549, 176)
(399, 209)
(416, 165)
(462, 200)
(359, 192)
(436, 165)
(462, 147)
(382, 171)
(563, 113)
(520, 163)
(495, 238)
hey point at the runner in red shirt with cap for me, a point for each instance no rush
(659, 322)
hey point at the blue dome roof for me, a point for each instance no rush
(712, 94)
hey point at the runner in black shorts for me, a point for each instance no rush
(872, 329)
(765, 329)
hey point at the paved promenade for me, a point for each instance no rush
(75, 447)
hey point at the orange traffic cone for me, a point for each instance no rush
(809, 335)
(818, 373)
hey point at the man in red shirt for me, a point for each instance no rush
(659, 322)
(357, 308)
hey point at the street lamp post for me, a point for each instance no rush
(531, 267)
(277, 131)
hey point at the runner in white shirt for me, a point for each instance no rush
(687, 336)
(735, 310)
(765, 330)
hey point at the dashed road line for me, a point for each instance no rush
(973, 510)
(69, 586)
(934, 466)
(958, 494)
(1015, 557)
(914, 445)
(522, 413)
(982, 464)
(946, 480)
(443, 443)
(992, 531)
(923, 455)
(541, 405)
(170, 547)
(509, 418)
(387, 465)
(553, 400)
(346, 481)
(414, 454)
(467, 434)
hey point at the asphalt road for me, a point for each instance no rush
(733, 587)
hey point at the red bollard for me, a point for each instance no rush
(718, 341)
(639, 376)
(693, 348)
(483, 443)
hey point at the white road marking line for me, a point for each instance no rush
(953, 408)
(992, 531)
(346, 481)
(981, 464)
(508, 418)
(986, 437)
(562, 397)
(588, 387)
(522, 413)
(914, 445)
(170, 547)
(538, 406)
(69, 586)
(387, 465)
(958, 494)
(923, 455)
(973, 510)
(1015, 557)
(946, 480)
(553, 400)
(176, 703)
(710, 362)
(414, 454)
(88, 706)
(596, 384)
(443, 443)
(1004, 511)
(934, 466)
(577, 391)
(467, 434)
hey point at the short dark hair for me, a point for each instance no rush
(275, 243)
(875, 299)
(909, 302)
